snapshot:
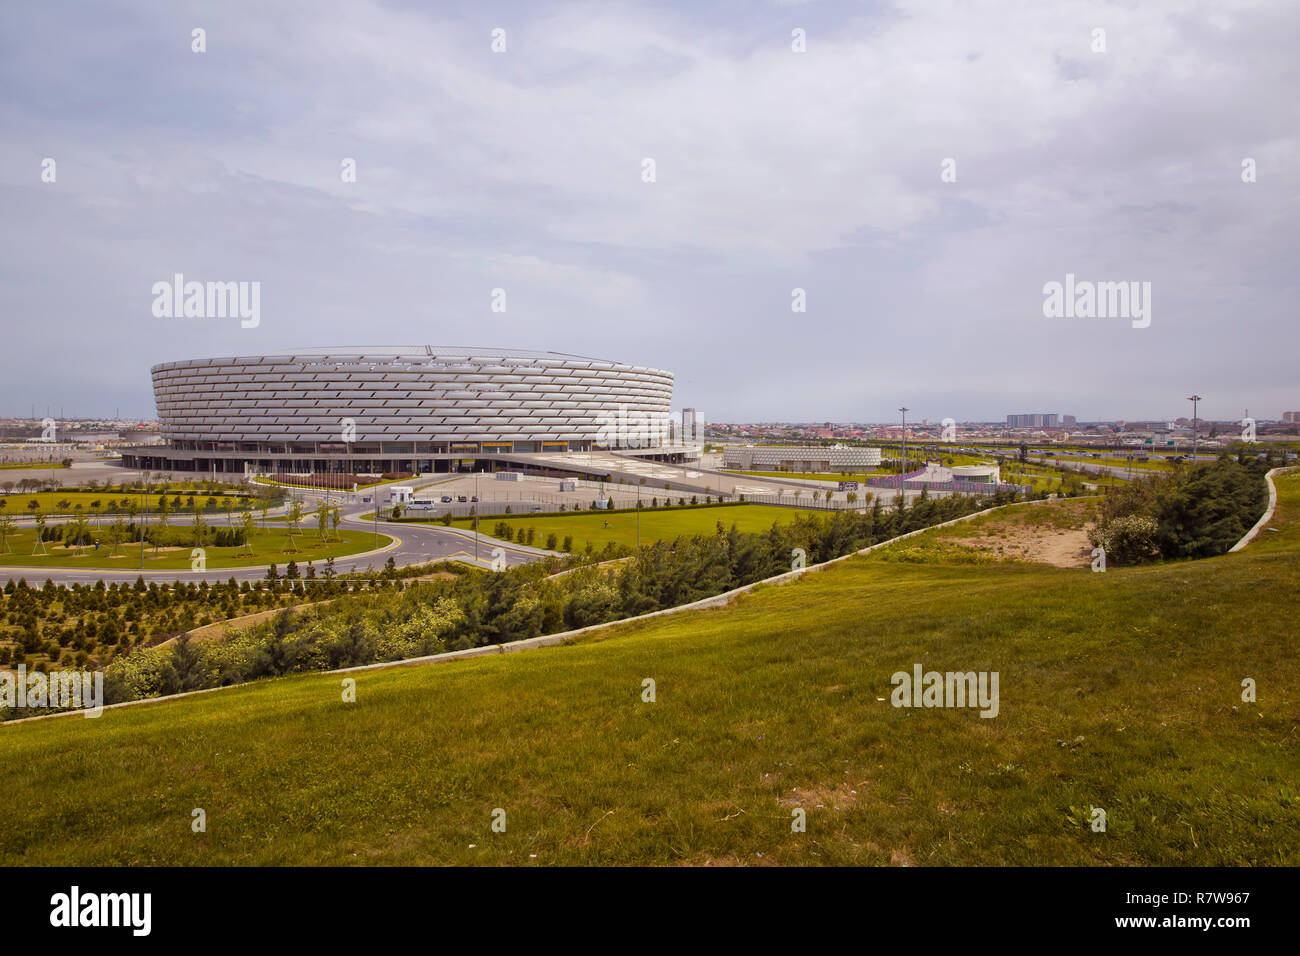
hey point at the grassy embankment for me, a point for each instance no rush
(1119, 690)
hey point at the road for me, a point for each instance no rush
(411, 544)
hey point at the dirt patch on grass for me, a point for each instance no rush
(821, 797)
(1055, 534)
(1060, 547)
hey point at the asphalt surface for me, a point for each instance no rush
(411, 544)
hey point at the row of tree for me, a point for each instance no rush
(479, 608)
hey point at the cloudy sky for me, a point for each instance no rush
(774, 170)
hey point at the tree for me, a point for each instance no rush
(199, 529)
(322, 513)
(164, 509)
(40, 534)
(116, 532)
(249, 526)
(336, 518)
(295, 522)
(6, 529)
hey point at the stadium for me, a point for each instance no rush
(402, 410)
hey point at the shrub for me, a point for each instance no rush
(1130, 539)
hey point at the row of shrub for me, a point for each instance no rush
(73, 535)
(132, 505)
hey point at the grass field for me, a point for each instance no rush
(1120, 691)
(1150, 466)
(809, 475)
(656, 524)
(268, 547)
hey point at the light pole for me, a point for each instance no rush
(902, 465)
(1193, 398)
(144, 521)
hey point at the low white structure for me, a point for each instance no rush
(801, 458)
(983, 474)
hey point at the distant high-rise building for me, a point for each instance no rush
(692, 426)
(1069, 421)
(1039, 420)
(1291, 418)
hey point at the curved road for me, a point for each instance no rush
(411, 544)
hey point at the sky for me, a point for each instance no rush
(921, 170)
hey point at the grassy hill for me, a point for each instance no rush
(1117, 691)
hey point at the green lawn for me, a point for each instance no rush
(1151, 465)
(656, 524)
(809, 475)
(268, 547)
(1119, 690)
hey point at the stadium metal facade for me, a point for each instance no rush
(412, 409)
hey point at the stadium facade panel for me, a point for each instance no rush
(399, 407)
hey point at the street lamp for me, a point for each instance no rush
(144, 521)
(902, 465)
(1193, 398)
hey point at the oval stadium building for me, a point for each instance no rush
(412, 409)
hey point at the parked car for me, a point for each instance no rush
(461, 498)
(446, 498)
(473, 497)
